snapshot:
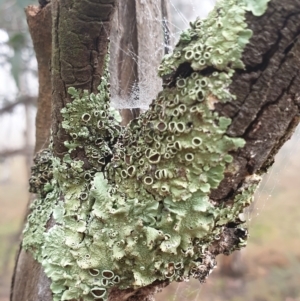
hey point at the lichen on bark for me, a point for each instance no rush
(136, 206)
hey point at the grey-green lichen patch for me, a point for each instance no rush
(217, 41)
(134, 206)
(41, 173)
(41, 210)
(257, 7)
(42, 183)
(243, 198)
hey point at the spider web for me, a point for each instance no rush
(271, 180)
(149, 84)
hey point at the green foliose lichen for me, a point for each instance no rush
(134, 206)
(257, 7)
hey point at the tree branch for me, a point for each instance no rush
(24, 99)
(267, 108)
(13, 152)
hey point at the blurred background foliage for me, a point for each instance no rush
(267, 270)
(18, 82)
(19, 51)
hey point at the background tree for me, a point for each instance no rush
(271, 60)
(17, 55)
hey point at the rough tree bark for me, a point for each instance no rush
(40, 24)
(265, 114)
(268, 97)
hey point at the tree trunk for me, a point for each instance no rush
(40, 24)
(132, 52)
(29, 280)
(265, 113)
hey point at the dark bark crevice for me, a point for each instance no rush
(267, 107)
